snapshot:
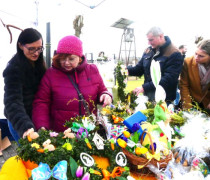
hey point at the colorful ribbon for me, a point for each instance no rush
(156, 156)
(117, 172)
(116, 130)
(43, 172)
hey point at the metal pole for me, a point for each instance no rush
(121, 46)
(37, 13)
(48, 46)
(91, 57)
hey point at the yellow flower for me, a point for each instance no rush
(35, 145)
(105, 111)
(67, 146)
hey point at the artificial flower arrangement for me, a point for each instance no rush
(119, 111)
(116, 113)
(177, 119)
(73, 153)
(147, 143)
(191, 158)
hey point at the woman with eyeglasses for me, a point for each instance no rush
(71, 87)
(195, 78)
(21, 77)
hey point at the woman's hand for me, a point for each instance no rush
(106, 99)
(26, 133)
(138, 90)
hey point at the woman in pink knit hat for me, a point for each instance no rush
(69, 88)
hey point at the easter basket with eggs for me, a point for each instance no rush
(145, 143)
(139, 164)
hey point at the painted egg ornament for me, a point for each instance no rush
(126, 134)
(141, 150)
(121, 143)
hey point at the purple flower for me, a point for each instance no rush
(135, 127)
(124, 138)
(53, 134)
(112, 106)
(79, 171)
(154, 145)
(86, 176)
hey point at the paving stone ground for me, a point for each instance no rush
(7, 153)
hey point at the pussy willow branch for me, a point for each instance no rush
(8, 28)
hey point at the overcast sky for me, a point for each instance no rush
(181, 20)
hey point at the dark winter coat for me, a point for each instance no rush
(21, 83)
(57, 100)
(171, 62)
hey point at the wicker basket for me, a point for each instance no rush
(136, 162)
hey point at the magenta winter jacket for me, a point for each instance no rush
(57, 100)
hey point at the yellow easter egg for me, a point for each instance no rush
(126, 134)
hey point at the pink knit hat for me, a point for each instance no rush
(70, 45)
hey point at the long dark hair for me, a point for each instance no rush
(28, 36)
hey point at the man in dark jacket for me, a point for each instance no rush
(162, 50)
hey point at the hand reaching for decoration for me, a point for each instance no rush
(26, 133)
(106, 99)
(138, 90)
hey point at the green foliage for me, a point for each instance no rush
(121, 81)
(27, 152)
(149, 112)
(130, 100)
(135, 137)
(73, 167)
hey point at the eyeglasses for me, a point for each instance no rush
(69, 59)
(33, 50)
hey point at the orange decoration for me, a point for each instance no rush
(102, 162)
(29, 138)
(30, 164)
(162, 107)
(40, 150)
(113, 117)
(117, 172)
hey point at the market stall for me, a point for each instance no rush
(131, 139)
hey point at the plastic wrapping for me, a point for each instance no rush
(196, 141)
